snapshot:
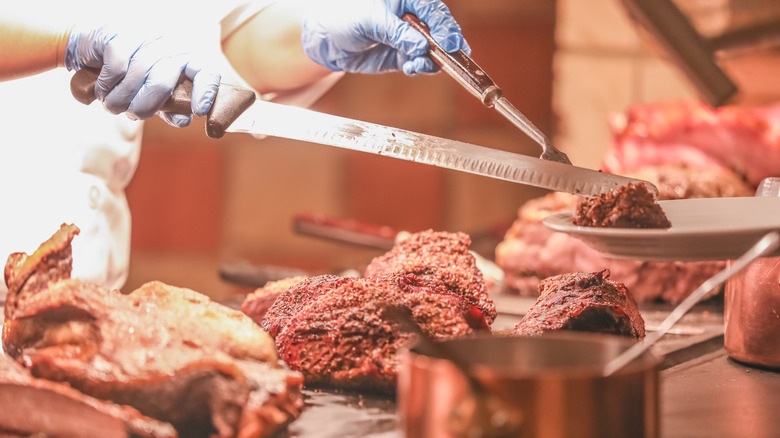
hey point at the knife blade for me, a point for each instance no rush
(267, 118)
(236, 110)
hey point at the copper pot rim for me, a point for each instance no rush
(571, 365)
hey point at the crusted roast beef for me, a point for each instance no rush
(336, 331)
(342, 337)
(441, 256)
(30, 406)
(257, 302)
(531, 252)
(629, 206)
(171, 353)
(587, 302)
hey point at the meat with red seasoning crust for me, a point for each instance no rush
(587, 302)
(629, 206)
(335, 331)
(443, 257)
(171, 353)
(257, 302)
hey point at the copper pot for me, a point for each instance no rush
(752, 314)
(534, 387)
(752, 306)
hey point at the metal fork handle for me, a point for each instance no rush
(458, 65)
(471, 76)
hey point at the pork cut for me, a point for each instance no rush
(629, 206)
(171, 353)
(587, 302)
(257, 302)
(337, 330)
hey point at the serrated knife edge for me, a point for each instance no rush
(266, 118)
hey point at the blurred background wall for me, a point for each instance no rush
(200, 204)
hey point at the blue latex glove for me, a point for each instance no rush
(138, 73)
(368, 36)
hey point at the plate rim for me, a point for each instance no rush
(605, 240)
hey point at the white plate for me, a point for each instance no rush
(702, 229)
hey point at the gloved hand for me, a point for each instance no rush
(138, 73)
(368, 36)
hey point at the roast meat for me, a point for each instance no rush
(629, 206)
(171, 353)
(587, 302)
(341, 336)
(338, 331)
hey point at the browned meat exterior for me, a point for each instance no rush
(257, 303)
(297, 297)
(52, 262)
(171, 353)
(32, 406)
(531, 252)
(630, 206)
(441, 256)
(587, 302)
(335, 331)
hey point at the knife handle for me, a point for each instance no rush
(458, 65)
(229, 102)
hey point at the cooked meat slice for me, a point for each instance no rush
(630, 206)
(50, 263)
(588, 302)
(441, 256)
(33, 406)
(342, 337)
(257, 303)
(169, 352)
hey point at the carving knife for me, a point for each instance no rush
(237, 110)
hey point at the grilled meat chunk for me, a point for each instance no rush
(587, 302)
(257, 303)
(630, 206)
(442, 257)
(337, 331)
(171, 353)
